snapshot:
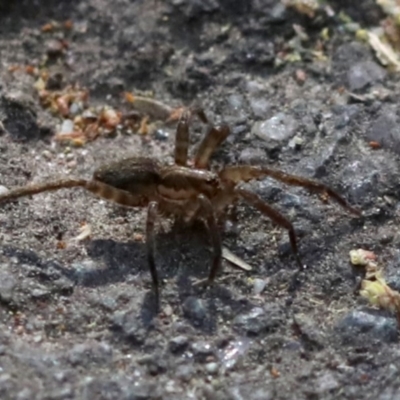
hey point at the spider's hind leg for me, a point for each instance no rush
(275, 216)
(244, 173)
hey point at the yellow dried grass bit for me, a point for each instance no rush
(375, 292)
(362, 257)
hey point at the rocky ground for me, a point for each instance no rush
(77, 318)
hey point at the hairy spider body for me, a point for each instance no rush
(185, 192)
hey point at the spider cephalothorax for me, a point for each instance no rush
(183, 191)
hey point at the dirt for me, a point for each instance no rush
(77, 318)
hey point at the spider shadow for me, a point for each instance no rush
(183, 255)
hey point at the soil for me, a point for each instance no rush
(77, 317)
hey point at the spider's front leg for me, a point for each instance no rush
(182, 134)
(152, 213)
(206, 211)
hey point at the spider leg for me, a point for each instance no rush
(152, 213)
(96, 187)
(182, 134)
(245, 173)
(211, 141)
(40, 188)
(182, 139)
(206, 211)
(275, 216)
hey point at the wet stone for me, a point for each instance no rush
(360, 324)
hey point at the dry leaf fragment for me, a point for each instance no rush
(235, 260)
(384, 52)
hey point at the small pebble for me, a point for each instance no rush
(194, 309)
(259, 286)
(278, 128)
(3, 190)
(67, 127)
(161, 135)
(178, 344)
(212, 368)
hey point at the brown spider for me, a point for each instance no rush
(178, 190)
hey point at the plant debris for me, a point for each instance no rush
(374, 287)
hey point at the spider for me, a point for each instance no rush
(186, 192)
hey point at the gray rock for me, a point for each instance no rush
(345, 114)
(260, 106)
(131, 326)
(235, 101)
(258, 320)
(363, 74)
(359, 325)
(178, 344)
(250, 391)
(326, 383)
(212, 367)
(156, 364)
(252, 155)
(386, 130)
(19, 115)
(40, 293)
(259, 285)
(185, 372)
(7, 285)
(363, 178)
(90, 352)
(201, 350)
(194, 309)
(278, 128)
(311, 335)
